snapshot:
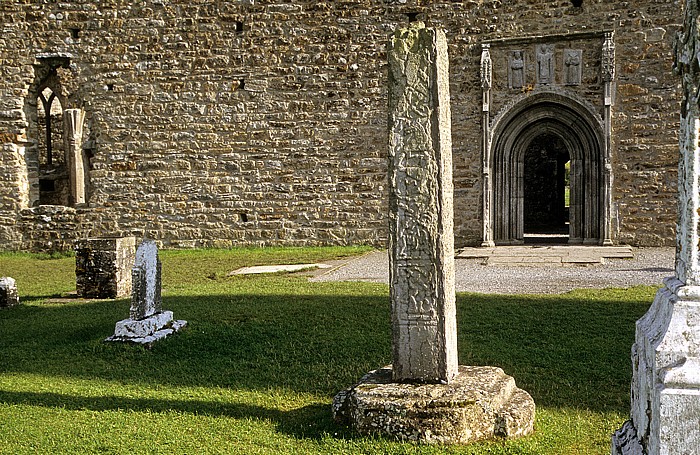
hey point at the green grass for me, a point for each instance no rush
(257, 368)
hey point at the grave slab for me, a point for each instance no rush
(262, 269)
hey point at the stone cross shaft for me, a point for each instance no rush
(688, 229)
(146, 298)
(665, 391)
(420, 208)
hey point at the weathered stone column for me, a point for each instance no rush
(425, 395)
(665, 392)
(73, 130)
(421, 239)
(608, 70)
(486, 184)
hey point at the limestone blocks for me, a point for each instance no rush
(147, 322)
(8, 292)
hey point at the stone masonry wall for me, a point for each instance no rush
(264, 122)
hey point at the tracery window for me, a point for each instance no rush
(54, 186)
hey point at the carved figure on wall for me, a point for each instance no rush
(545, 64)
(516, 73)
(572, 66)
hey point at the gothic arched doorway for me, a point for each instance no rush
(533, 143)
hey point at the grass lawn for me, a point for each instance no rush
(262, 357)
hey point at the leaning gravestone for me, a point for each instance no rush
(665, 414)
(8, 292)
(147, 321)
(425, 395)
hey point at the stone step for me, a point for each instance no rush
(535, 255)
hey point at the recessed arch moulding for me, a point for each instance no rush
(581, 132)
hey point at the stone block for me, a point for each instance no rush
(103, 267)
(131, 328)
(147, 331)
(8, 292)
(479, 403)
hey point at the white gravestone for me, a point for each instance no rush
(8, 292)
(147, 321)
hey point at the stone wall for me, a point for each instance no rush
(264, 122)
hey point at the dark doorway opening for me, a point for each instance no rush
(545, 189)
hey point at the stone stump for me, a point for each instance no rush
(8, 292)
(147, 322)
(103, 267)
(425, 395)
(665, 391)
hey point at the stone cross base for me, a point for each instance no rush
(480, 403)
(147, 331)
(8, 292)
(665, 377)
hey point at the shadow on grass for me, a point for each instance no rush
(308, 421)
(567, 351)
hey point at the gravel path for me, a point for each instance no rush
(649, 267)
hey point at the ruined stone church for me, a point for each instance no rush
(235, 122)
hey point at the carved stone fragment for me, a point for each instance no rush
(665, 392)
(572, 66)
(8, 292)
(545, 64)
(516, 69)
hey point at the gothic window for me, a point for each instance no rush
(53, 172)
(58, 146)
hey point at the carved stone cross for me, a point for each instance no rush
(420, 204)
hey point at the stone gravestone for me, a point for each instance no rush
(103, 267)
(147, 321)
(424, 395)
(8, 292)
(665, 392)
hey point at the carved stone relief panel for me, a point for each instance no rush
(572, 66)
(545, 64)
(516, 69)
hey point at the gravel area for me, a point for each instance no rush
(649, 267)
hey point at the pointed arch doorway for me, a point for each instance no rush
(532, 146)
